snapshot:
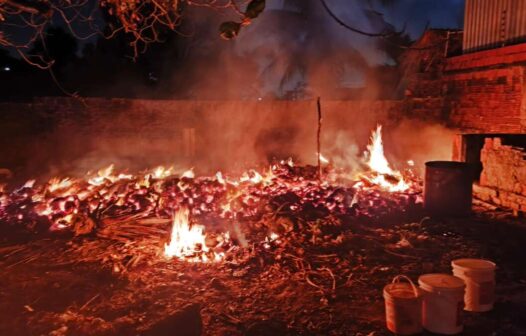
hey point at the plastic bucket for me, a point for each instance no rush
(479, 276)
(403, 307)
(443, 303)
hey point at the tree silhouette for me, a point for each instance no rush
(57, 46)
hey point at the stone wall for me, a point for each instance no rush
(503, 179)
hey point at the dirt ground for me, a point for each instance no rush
(324, 283)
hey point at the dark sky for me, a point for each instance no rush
(417, 13)
(282, 41)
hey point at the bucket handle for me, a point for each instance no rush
(397, 279)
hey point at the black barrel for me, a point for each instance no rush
(448, 188)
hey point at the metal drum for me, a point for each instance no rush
(448, 188)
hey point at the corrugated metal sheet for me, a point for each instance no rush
(494, 23)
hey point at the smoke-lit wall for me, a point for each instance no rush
(64, 136)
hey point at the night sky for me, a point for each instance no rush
(417, 13)
(278, 39)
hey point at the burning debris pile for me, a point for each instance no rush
(278, 251)
(207, 213)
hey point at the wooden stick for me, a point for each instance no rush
(318, 137)
(89, 301)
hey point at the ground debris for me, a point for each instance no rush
(184, 322)
(295, 266)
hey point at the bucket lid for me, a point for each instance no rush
(474, 264)
(442, 282)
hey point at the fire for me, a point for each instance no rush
(162, 172)
(189, 173)
(102, 175)
(251, 176)
(106, 174)
(29, 184)
(377, 161)
(384, 176)
(62, 202)
(188, 242)
(323, 159)
(219, 178)
(255, 177)
(58, 184)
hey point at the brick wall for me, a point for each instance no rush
(61, 134)
(482, 94)
(487, 100)
(486, 94)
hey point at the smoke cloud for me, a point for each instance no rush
(246, 102)
(294, 50)
(229, 136)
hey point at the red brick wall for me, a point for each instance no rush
(488, 58)
(482, 92)
(487, 100)
(486, 93)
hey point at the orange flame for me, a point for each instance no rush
(323, 159)
(377, 161)
(58, 184)
(189, 173)
(378, 164)
(106, 174)
(162, 172)
(187, 241)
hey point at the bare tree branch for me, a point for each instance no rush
(143, 21)
(356, 30)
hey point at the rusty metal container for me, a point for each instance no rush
(448, 188)
(493, 24)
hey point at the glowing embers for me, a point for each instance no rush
(381, 173)
(107, 175)
(110, 196)
(188, 242)
(56, 184)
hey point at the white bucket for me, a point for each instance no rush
(479, 276)
(403, 307)
(443, 303)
